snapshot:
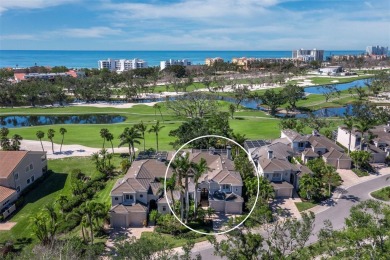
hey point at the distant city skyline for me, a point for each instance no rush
(193, 24)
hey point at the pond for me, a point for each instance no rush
(22, 121)
(340, 87)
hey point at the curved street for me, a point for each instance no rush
(336, 210)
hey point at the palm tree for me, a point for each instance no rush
(50, 135)
(109, 138)
(362, 127)
(62, 132)
(199, 169)
(330, 177)
(310, 185)
(181, 167)
(158, 106)
(16, 142)
(349, 123)
(40, 135)
(142, 128)
(103, 134)
(130, 137)
(155, 129)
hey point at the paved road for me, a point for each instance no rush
(336, 213)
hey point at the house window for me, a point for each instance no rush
(31, 166)
(225, 187)
(131, 197)
(28, 181)
(32, 178)
(276, 176)
(141, 195)
(164, 208)
(116, 198)
(127, 197)
(18, 189)
(300, 144)
(16, 176)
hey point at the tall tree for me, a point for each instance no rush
(293, 93)
(273, 100)
(142, 128)
(63, 131)
(109, 138)
(40, 134)
(309, 186)
(330, 177)
(15, 142)
(50, 135)
(103, 134)
(156, 129)
(130, 137)
(349, 123)
(232, 109)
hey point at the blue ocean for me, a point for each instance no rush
(89, 59)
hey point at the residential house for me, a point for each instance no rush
(141, 189)
(18, 170)
(379, 146)
(274, 163)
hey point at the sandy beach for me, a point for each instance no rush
(67, 150)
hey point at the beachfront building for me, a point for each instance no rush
(171, 62)
(20, 76)
(122, 64)
(211, 61)
(308, 55)
(377, 50)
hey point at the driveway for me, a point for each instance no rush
(336, 209)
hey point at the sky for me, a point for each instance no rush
(193, 24)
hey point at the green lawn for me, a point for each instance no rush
(302, 206)
(55, 185)
(173, 240)
(382, 194)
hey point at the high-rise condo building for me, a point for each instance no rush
(377, 50)
(170, 62)
(122, 64)
(308, 55)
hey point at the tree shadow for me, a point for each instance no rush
(352, 198)
(329, 202)
(340, 190)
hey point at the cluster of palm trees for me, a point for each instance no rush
(132, 136)
(8, 144)
(50, 135)
(185, 169)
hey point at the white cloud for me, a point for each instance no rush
(18, 37)
(31, 4)
(92, 32)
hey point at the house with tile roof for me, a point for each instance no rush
(18, 170)
(141, 189)
(274, 162)
(379, 146)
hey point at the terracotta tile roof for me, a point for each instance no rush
(322, 141)
(275, 164)
(5, 193)
(9, 160)
(282, 185)
(122, 186)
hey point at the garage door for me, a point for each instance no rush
(233, 208)
(282, 193)
(137, 219)
(118, 220)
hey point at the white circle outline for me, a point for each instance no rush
(250, 159)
